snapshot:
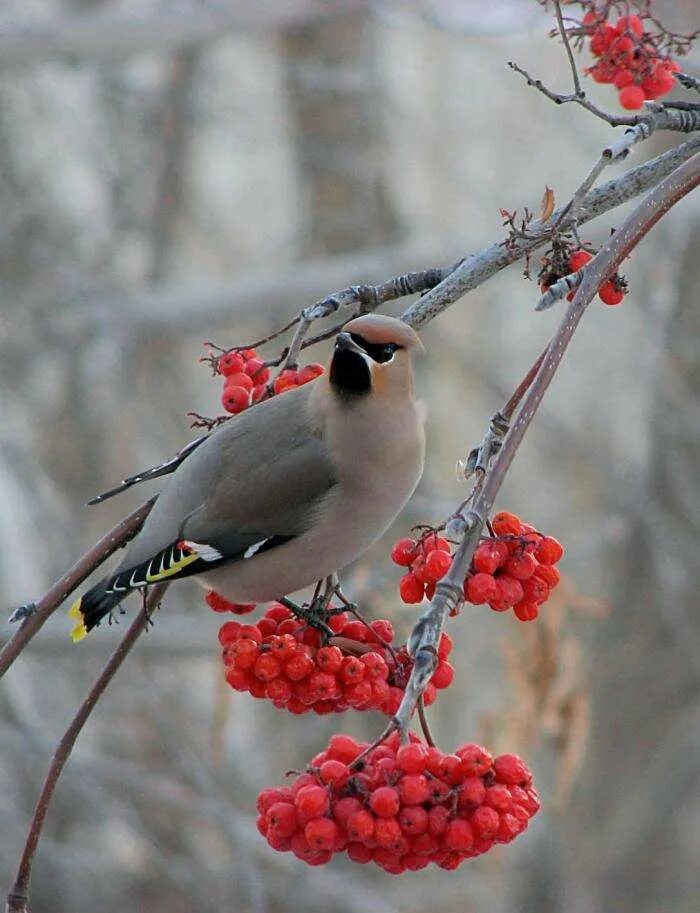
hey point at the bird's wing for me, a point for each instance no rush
(253, 484)
(162, 469)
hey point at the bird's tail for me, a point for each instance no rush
(91, 608)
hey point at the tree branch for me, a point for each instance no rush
(483, 264)
(424, 638)
(35, 616)
(18, 897)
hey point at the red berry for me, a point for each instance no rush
(384, 802)
(411, 589)
(239, 379)
(375, 665)
(512, 770)
(632, 98)
(383, 631)
(526, 611)
(282, 819)
(505, 523)
(229, 632)
(443, 675)
(230, 363)
(471, 793)
(266, 667)
(413, 789)
(437, 564)
(329, 659)
(632, 24)
(510, 590)
(610, 294)
(360, 826)
(623, 78)
(485, 822)
(403, 552)
(413, 820)
(521, 566)
(257, 370)
(481, 588)
(489, 556)
(312, 801)
(310, 372)
(549, 574)
(476, 761)
(235, 399)
(299, 666)
(459, 836)
(321, 833)
(577, 260)
(343, 748)
(412, 758)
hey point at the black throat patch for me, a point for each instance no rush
(350, 375)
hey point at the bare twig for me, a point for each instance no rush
(569, 53)
(36, 615)
(424, 638)
(18, 898)
(659, 118)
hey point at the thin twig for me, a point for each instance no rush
(656, 116)
(35, 616)
(567, 47)
(423, 641)
(17, 899)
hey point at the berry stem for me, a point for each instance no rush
(424, 722)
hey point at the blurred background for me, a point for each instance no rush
(180, 171)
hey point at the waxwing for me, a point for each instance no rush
(290, 491)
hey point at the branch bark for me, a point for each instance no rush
(424, 638)
(18, 898)
(116, 538)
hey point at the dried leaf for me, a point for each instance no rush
(547, 204)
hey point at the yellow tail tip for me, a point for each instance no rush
(78, 632)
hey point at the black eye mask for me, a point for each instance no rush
(378, 351)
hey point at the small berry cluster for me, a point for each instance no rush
(427, 560)
(514, 569)
(629, 59)
(399, 806)
(611, 292)
(286, 661)
(246, 378)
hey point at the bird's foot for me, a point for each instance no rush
(311, 614)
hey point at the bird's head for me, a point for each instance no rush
(373, 355)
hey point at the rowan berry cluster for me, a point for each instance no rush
(399, 806)
(293, 665)
(246, 378)
(611, 292)
(629, 58)
(513, 569)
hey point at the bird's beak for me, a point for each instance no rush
(345, 341)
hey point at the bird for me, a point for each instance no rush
(290, 491)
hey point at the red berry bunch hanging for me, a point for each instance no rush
(428, 559)
(514, 569)
(629, 59)
(401, 807)
(286, 661)
(246, 378)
